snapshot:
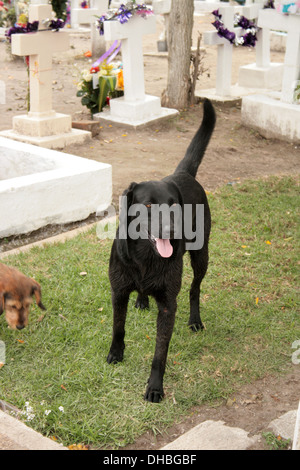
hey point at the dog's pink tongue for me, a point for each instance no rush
(164, 247)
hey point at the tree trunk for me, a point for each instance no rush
(177, 94)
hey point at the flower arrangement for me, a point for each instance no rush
(124, 13)
(11, 11)
(22, 26)
(99, 84)
(248, 39)
(61, 8)
(8, 12)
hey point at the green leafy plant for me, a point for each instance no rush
(276, 442)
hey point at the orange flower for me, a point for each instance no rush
(120, 80)
(88, 54)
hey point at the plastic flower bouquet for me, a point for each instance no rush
(99, 84)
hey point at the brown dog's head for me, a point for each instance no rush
(16, 292)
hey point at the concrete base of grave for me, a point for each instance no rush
(272, 117)
(231, 99)
(135, 113)
(237, 93)
(50, 131)
(251, 76)
(43, 186)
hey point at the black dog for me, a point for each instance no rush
(152, 263)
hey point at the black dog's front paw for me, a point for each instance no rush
(114, 357)
(142, 302)
(196, 326)
(154, 395)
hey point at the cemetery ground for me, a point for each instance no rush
(239, 369)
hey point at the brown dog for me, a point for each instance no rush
(16, 291)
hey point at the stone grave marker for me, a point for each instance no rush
(42, 125)
(135, 108)
(263, 73)
(278, 114)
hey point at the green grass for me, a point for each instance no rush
(249, 307)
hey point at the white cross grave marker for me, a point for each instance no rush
(290, 24)
(263, 73)
(224, 59)
(40, 46)
(131, 34)
(276, 115)
(163, 7)
(42, 125)
(81, 15)
(135, 108)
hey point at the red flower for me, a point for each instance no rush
(94, 69)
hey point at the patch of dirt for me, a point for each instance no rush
(235, 153)
(252, 408)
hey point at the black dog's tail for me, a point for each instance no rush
(197, 147)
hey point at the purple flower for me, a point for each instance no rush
(216, 13)
(56, 24)
(249, 39)
(245, 23)
(29, 28)
(123, 14)
(229, 35)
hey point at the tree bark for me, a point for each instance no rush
(177, 93)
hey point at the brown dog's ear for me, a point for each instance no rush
(2, 302)
(37, 292)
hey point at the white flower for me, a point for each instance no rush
(30, 417)
(47, 412)
(61, 408)
(86, 75)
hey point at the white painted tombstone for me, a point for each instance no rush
(290, 24)
(225, 49)
(163, 7)
(263, 73)
(277, 115)
(42, 125)
(135, 108)
(86, 16)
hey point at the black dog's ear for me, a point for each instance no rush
(122, 233)
(128, 193)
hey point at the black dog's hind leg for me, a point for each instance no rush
(199, 261)
(120, 303)
(142, 301)
(165, 323)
